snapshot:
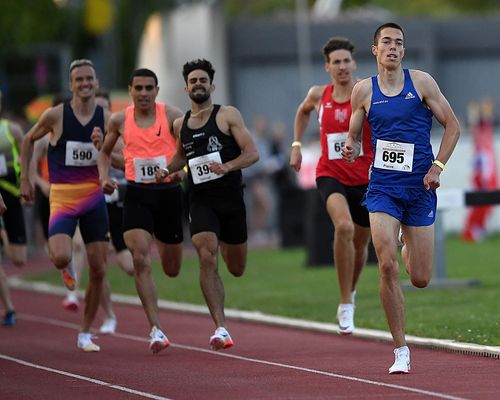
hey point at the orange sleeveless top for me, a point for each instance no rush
(146, 149)
(43, 168)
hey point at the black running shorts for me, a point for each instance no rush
(115, 213)
(13, 218)
(158, 211)
(219, 210)
(353, 194)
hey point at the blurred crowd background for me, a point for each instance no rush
(266, 53)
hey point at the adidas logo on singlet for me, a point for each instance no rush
(409, 96)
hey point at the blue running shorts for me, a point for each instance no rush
(411, 206)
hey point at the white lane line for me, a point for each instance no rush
(56, 322)
(274, 320)
(83, 378)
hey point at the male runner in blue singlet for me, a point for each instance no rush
(400, 104)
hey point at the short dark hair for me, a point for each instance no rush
(337, 43)
(202, 64)
(377, 33)
(144, 72)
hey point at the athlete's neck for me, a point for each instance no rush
(83, 106)
(342, 92)
(198, 110)
(145, 117)
(391, 82)
(83, 109)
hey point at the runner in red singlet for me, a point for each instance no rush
(341, 185)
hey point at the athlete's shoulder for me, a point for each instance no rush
(362, 89)
(364, 84)
(52, 115)
(117, 119)
(423, 82)
(172, 112)
(420, 76)
(228, 110)
(14, 127)
(229, 114)
(316, 91)
(177, 124)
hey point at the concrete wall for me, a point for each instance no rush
(189, 32)
(263, 59)
(258, 70)
(265, 77)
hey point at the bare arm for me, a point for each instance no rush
(360, 98)
(173, 113)
(302, 117)
(47, 123)
(438, 104)
(104, 161)
(40, 151)
(178, 161)
(17, 133)
(117, 159)
(3, 207)
(230, 120)
(97, 137)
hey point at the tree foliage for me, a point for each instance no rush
(428, 7)
(245, 8)
(25, 22)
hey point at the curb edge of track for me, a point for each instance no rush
(256, 316)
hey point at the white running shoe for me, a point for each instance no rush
(70, 302)
(220, 339)
(85, 342)
(108, 326)
(402, 361)
(158, 341)
(345, 316)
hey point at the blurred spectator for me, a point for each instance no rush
(282, 179)
(257, 179)
(484, 175)
(12, 227)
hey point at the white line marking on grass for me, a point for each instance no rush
(257, 361)
(83, 378)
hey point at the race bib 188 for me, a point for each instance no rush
(145, 168)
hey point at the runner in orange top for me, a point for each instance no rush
(151, 210)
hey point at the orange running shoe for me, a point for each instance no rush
(69, 277)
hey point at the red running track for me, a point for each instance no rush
(39, 360)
